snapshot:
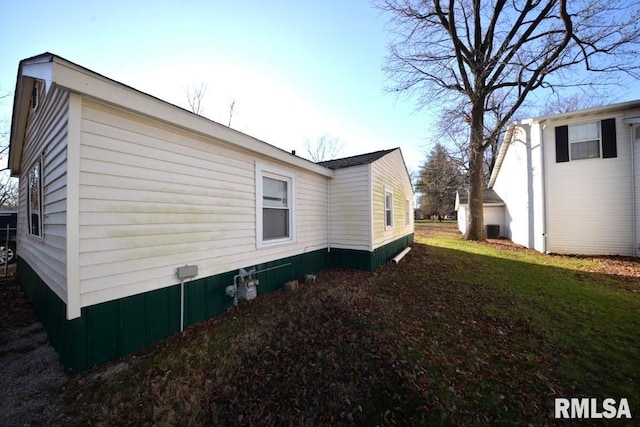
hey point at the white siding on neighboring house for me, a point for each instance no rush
(389, 174)
(494, 215)
(519, 185)
(462, 218)
(153, 198)
(636, 176)
(589, 203)
(350, 208)
(46, 139)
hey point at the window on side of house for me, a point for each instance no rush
(275, 215)
(388, 208)
(34, 202)
(589, 140)
(407, 210)
(584, 140)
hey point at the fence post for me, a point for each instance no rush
(6, 252)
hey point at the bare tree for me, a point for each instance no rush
(8, 191)
(468, 50)
(326, 147)
(4, 128)
(232, 107)
(195, 96)
(8, 185)
(576, 101)
(453, 130)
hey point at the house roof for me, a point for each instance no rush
(590, 111)
(361, 159)
(509, 134)
(489, 197)
(59, 72)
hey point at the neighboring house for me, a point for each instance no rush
(119, 189)
(493, 211)
(571, 182)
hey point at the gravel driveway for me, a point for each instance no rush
(31, 377)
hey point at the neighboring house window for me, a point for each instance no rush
(388, 209)
(275, 217)
(34, 203)
(586, 141)
(407, 208)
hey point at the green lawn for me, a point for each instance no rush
(456, 333)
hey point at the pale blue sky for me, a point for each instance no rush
(297, 69)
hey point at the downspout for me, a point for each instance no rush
(634, 213)
(543, 174)
(328, 215)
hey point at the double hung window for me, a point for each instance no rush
(275, 206)
(34, 202)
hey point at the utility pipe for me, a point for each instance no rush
(182, 305)
(401, 255)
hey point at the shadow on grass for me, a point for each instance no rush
(588, 322)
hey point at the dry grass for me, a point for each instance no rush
(426, 341)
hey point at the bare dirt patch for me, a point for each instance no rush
(30, 374)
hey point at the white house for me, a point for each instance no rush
(493, 211)
(571, 182)
(119, 189)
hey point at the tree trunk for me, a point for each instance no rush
(475, 214)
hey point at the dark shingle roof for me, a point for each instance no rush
(488, 195)
(361, 159)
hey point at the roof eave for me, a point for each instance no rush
(77, 79)
(20, 111)
(590, 111)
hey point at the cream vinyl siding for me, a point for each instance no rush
(153, 198)
(589, 200)
(389, 173)
(46, 136)
(350, 204)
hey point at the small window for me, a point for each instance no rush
(275, 206)
(275, 209)
(34, 205)
(388, 209)
(584, 141)
(407, 210)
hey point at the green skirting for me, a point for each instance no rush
(113, 329)
(368, 261)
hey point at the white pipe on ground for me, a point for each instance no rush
(401, 255)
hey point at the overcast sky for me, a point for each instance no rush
(296, 69)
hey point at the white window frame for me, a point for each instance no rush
(582, 141)
(267, 171)
(37, 164)
(388, 192)
(407, 209)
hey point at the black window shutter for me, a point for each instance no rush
(562, 144)
(608, 128)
